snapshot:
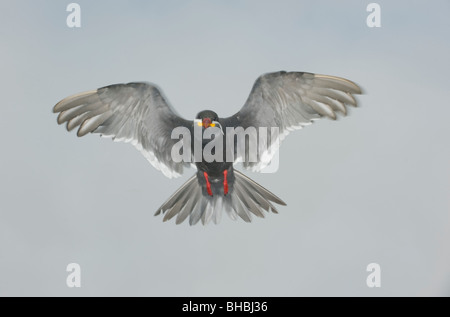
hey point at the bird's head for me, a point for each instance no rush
(207, 118)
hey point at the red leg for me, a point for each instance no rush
(208, 185)
(225, 182)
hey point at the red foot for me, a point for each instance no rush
(225, 182)
(208, 185)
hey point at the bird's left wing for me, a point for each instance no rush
(136, 113)
(290, 101)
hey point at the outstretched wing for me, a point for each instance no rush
(136, 113)
(291, 101)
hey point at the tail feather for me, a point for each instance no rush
(256, 187)
(274, 210)
(245, 198)
(197, 213)
(248, 202)
(260, 200)
(209, 211)
(240, 208)
(181, 202)
(218, 205)
(187, 209)
(227, 206)
(172, 212)
(176, 196)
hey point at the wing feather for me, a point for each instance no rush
(290, 101)
(136, 113)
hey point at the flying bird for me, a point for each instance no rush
(139, 113)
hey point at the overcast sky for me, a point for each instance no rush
(371, 187)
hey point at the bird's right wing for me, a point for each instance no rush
(290, 101)
(136, 113)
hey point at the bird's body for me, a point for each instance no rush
(138, 113)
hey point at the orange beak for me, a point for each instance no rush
(206, 122)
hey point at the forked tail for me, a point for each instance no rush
(244, 199)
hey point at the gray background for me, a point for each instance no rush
(372, 187)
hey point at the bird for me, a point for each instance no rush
(140, 114)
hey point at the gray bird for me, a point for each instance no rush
(139, 114)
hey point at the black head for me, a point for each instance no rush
(207, 114)
(207, 118)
